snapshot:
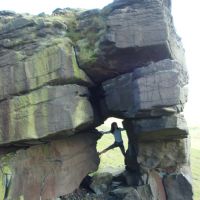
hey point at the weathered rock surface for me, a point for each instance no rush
(144, 192)
(131, 34)
(139, 193)
(163, 154)
(48, 65)
(154, 90)
(152, 129)
(101, 183)
(155, 181)
(178, 187)
(49, 111)
(126, 193)
(51, 170)
(29, 60)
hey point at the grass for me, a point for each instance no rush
(195, 160)
(113, 160)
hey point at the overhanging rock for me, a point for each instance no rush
(54, 64)
(61, 110)
(155, 90)
(162, 128)
(127, 35)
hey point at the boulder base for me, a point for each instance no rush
(51, 170)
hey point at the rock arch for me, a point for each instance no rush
(64, 74)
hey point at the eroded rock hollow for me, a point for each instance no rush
(61, 75)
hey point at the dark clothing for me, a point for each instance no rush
(118, 141)
(117, 144)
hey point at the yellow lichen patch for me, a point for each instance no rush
(79, 117)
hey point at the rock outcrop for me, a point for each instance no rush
(61, 75)
(50, 170)
(134, 34)
(155, 90)
(45, 112)
(46, 116)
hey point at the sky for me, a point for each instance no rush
(186, 18)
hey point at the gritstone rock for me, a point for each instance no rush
(45, 112)
(51, 170)
(156, 88)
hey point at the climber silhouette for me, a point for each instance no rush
(116, 131)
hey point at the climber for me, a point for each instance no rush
(116, 131)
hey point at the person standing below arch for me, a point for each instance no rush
(116, 131)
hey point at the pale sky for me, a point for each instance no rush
(186, 17)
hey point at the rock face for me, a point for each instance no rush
(135, 33)
(52, 170)
(61, 75)
(152, 129)
(178, 187)
(44, 113)
(148, 91)
(35, 53)
(44, 101)
(163, 154)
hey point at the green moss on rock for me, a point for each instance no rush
(5, 170)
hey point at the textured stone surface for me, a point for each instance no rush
(126, 193)
(145, 192)
(155, 181)
(162, 154)
(35, 51)
(134, 34)
(45, 112)
(152, 129)
(54, 169)
(153, 90)
(178, 187)
(101, 183)
(46, 63)
(51, 65)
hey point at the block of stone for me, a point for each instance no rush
(101, 183)
(46, 112)
(178, 187)
(50, 170)
(155, 180)
(162, 128)
(55, 64)
(163, 154)
(122, 192)
(155, 90)
(134, 34)
(144, 192)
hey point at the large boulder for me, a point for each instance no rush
(29, 60)
(49, 111)
(163, 154)
(161, 128)
(155, 90)
(178, 187)
(126, 35)
(50, 65)
(51, 170)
